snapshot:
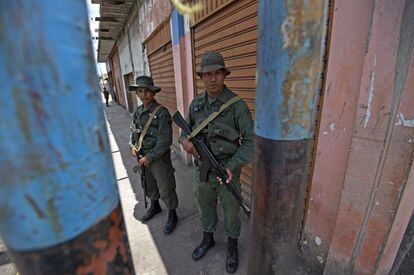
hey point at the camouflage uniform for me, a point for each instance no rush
(156, 145)
(230, 138)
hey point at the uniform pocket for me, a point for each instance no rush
(226, 131)
(221, 146)
(155, 121)
(148, 143)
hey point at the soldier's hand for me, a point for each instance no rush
(229, 177)
(189, 148)
(133, 152)
(144, 161)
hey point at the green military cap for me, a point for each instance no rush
(145, 82)
(212, 61)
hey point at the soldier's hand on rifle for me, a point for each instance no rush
(229, 177)
(133, 152)
(189, 148)
(144, 161)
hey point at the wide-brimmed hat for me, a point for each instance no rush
(146, 82)
(212, 61)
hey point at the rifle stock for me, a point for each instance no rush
(207, 155)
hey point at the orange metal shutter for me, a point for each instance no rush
(230, 27)
(160, 58)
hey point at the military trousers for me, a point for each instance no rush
(160, 182)
(207, 195)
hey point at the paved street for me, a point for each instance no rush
(154, 252)
(6, 266)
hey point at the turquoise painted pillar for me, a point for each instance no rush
(291, 48)
(182, 70)
(60, 209)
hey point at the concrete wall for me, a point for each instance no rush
(358, 205)
(124, 54)
(108, 67)
(340, 100)
(138, 56)
(126, 66)
(151, 14)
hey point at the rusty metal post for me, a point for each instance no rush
(291, 52)
(59, 207)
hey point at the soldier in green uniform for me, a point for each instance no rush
(152, 144)
(230, 138)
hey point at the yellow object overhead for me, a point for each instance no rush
(185, 9)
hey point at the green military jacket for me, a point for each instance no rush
(230, 135)
(158, 139)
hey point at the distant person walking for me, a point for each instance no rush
(151, 139)
(106, 96)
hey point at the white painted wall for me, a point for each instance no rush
(108, 67)
(124, 55)
(125, 62)
(138, 56)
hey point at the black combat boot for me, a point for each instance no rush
(171, 222)
(232, 260)
(206, 244)
(152, 211)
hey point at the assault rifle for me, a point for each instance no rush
(207, 155)
(141, 170)
(137, 168)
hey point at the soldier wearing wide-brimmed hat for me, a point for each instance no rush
(152, 142)
(212, 61)
(230, 138)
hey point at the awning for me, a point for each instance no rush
(113, 15)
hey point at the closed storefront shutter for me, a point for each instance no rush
(230, 27)
(160, 58)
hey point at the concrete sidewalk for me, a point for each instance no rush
(6, 265)
(154, 252)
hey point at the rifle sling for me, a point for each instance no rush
(146, 127)
(213, 116)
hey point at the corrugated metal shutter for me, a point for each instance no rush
(160, 58)
(231, 29)
(209, 6)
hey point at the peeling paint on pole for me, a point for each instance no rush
(291, 52)
(288, 74)
(53, 137)
(57, 178)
